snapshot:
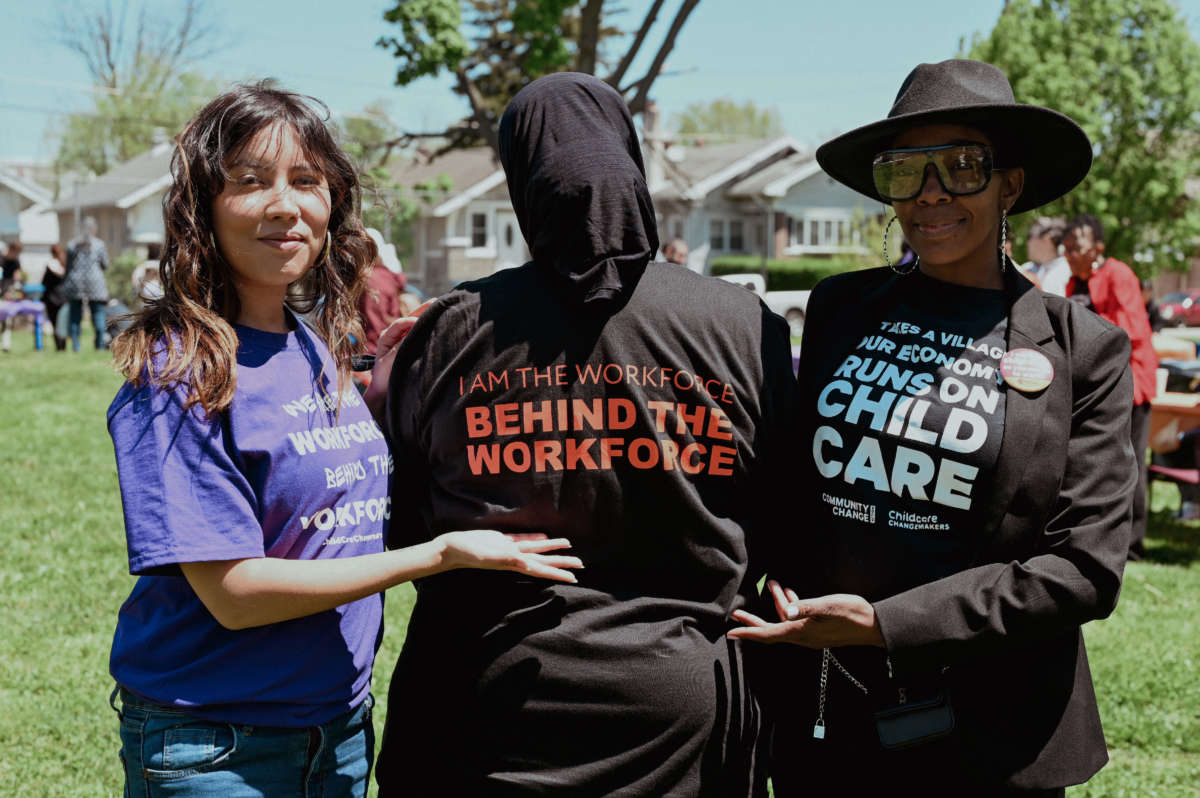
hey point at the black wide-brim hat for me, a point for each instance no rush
(1053, 149)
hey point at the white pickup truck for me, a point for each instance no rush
(792, 305)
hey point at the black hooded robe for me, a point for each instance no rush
(636, 408)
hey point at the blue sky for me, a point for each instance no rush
(826, 66)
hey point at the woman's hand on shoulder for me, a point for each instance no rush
(381, 372)
(839, 619)
(496, 551)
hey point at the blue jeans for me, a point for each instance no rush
(75, 318)
(167, 752)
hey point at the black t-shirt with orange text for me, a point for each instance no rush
(655, 437)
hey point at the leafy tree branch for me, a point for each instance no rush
(492, 48)
(1128, 71)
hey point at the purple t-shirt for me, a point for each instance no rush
(282, 473)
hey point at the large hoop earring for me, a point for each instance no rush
(888, 258)
(324, 256)
(1003, 239)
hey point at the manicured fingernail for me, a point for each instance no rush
(793, 612)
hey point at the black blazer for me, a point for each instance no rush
(1056, 525)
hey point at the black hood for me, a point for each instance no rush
(577, 183)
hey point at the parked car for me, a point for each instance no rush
(1180, 309)
(789, 304)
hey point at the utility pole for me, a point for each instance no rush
(78, 210)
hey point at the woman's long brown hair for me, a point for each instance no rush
(187, 336)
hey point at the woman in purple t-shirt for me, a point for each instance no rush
(254, 481)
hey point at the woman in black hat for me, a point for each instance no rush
(968, 472)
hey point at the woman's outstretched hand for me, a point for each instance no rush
(526, 554)
(839, 619)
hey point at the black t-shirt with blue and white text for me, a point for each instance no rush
(908, 427)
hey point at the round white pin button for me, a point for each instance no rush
(1027, 370)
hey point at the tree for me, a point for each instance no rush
(1129, 73)
(124, 124)
(143, 83)
(369, 139)
(494, 47)
(727, 117)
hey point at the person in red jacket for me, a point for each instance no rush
(1111, 289)
(380, 305)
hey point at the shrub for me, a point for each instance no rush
(119, 275)
(792, 274)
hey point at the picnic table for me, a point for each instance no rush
(25, 307)
(1170, 414)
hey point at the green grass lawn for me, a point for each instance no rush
(65, 574)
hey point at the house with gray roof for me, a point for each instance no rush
(24, 217)
(466, 228)
(17, 195)
(126, 201)
(724, 197)
(766, 197)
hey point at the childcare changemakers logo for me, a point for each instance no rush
(931, 397)
(689, 432)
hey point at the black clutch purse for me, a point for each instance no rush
(915, 722)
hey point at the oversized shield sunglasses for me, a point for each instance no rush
(964, 168)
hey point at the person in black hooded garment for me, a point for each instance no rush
(639, 409)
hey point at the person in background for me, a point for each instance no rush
(253, 480)
(1046, 261)
(380, 303)
(1111, 289)
(11, 278)
(151, 285)
(1157, 322)
(146, 281)
(87, 259)
(409, 302)
(676, 251)
(52, 278)
(117, 317)
(11, 274)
